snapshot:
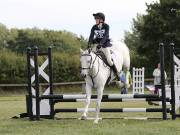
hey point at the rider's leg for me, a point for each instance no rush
(107, 53)
(115, 71)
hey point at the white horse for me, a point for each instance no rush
(96, 73)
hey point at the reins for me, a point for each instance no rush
(91, 66)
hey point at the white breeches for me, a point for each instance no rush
(107, 53)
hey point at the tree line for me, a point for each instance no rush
(13, 46)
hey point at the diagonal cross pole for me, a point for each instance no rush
(42, 73)
(41, 70)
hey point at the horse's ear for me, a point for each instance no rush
(81, 51)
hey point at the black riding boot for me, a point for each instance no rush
(115, 72)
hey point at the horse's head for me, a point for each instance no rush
(86, 62)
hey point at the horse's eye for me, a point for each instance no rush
(89, 61)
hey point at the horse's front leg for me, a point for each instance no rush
(88, 100)
(98, 103)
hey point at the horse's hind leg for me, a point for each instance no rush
(98, 103)
(88, 100)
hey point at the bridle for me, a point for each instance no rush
(84, 68)
(91, 65)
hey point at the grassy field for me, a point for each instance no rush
(68, 124)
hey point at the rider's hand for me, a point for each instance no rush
(98, 46)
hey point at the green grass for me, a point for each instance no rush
(13, 105)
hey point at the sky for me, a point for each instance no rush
(71, 15)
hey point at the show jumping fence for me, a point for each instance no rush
(42, 105)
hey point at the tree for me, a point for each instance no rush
(18, 40)
(160, 24)
(3, 36)
(132, 40)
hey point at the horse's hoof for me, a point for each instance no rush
(96, 121)
(83, 117)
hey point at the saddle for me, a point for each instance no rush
(101, 55)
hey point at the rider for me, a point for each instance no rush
(100, 36)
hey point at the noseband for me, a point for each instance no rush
(91, 65)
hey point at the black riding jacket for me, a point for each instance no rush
(100, 35)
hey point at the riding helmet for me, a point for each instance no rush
(99, 15)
